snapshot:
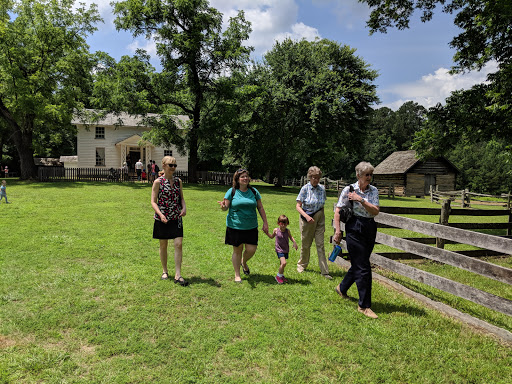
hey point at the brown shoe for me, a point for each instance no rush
(343, 295)
(367, 312)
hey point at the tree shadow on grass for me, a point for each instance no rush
(255, 279)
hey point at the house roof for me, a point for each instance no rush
(46, 161)
(397, 162)
(132, 140)
(68, 159)
(89, 117)
(401, 162)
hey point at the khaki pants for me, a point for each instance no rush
(308, 232)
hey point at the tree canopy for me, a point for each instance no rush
(194, 53)
(305, 103)
(390, 131)
(45, 69)
(484, 111)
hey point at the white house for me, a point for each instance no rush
(108, 144)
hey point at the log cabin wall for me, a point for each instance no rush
(446, 182)
(415, 184)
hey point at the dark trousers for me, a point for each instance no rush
(360, 239)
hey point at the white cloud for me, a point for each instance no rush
(271, 20)
(299, 31)
(148, 45)
(104, 8)
(435, 87)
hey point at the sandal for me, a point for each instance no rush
(166, 276)
(181, 281)
(246, 271)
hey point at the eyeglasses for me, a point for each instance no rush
(369, 174)
(171, 165)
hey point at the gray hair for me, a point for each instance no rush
(313, 170)
(363, 167)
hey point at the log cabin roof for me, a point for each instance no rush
(397, 162)
(401, 162)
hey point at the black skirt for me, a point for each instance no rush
(235, 237)
(170, 230)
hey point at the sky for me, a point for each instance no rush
(412, 64)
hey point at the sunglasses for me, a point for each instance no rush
(172, 165)
(369, 174)
(241, 170)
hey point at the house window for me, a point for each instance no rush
(167, 152)
(100, 157)
(100, 133)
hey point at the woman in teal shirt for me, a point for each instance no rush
(242, 201)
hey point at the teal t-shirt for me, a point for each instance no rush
(242, 212)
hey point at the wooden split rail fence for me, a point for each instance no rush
(465, 198)
(388, 218)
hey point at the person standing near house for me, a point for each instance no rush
(169, 205)
(310, 205)
(6, 171)
(138, 169)
(152, 170)
(125, 171)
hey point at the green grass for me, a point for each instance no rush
(81, 301)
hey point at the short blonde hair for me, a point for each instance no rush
(363, 167)
(168, 160)
(313, 170)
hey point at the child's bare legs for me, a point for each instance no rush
(178, 253)
(283, 264)
(163, 254)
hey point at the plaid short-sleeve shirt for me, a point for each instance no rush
(312, 198)
(371, 195)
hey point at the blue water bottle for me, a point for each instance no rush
(335, 252)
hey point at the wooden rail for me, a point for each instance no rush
(501, 245)
(465, 198)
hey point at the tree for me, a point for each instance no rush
(306, 103)
(194, 53)
(391, 131)
(44, 68)
(485, 36)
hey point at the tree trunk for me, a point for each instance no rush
(193, 149)
(23, 142)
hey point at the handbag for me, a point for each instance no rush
(346, 212)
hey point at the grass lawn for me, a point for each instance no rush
(81, 301)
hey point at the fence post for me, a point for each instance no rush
(509, 230)
(508, 201)
(431, 194)
(392, 191)
(443, 220)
